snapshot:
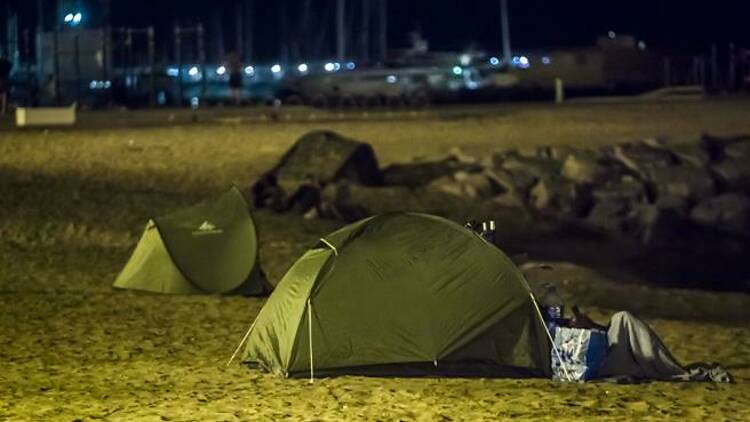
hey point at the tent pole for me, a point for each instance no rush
(244, 339)
(309, 338)
(330, 245)
(552, 341)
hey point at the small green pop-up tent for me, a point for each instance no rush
(211, 247)
(401, 294)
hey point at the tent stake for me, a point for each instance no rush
(309, 338)
(244, 339)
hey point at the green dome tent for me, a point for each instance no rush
(211, 247)
(401, 294)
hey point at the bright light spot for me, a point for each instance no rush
(173, 71)
(329, 67)
(641, 45)
(68, 18)
(336, 66)
(494, 61)
(465, 59)
(516, 60)
(221, 70)
(302, 68)
(161, 98)
(107, 84)
(546, 60)
(472, 84)
(276, 68)
(391, 79)
(193, 71)
(194, 102)
(457, 70)
(92, 85)
(351, 66)
(612, 35)
(77, 18)
(249, 70)
(523, 62)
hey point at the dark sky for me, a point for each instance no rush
(683, 26)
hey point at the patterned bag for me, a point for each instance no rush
(582, 351)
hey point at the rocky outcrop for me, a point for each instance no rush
(651, 190)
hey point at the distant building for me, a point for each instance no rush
(613, 64)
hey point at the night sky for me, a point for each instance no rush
(674, 26)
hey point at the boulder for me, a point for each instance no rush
(341, 199)
(659, 223)
(691, 154)
(523, 173)
(583, 168)
(717, 146)
(638, 158)
(732, 174)
(468, 185)
(739, 150)
(557, 152)
(559, 198)
(691, 151)
(626, 188)
(615, 205)
(509, 200)
(337, 203)
(728, 212)
(318, 158)
(683, 181)
(424, 171)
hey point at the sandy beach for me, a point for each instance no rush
(73, 203)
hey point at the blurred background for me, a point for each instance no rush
(365, 53)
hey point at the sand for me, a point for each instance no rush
(72, 205)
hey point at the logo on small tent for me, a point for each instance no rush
(207, 228)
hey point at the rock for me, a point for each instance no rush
(319, 157)
(582, 168)
(423, 172)
(340, 199)
(337, 203)
(691, 151)
(728, 212)
(523, 173)
(509, 200)
(691, 154)
(611, 216)
(468, 185)
(684, 181)
(615, 205)
(659, 223)
(639, 158)
(732, 175)
(626, 188)
(557, 152)
(739, 150)
(716, 146)
(559, 198)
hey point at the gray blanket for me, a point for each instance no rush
(636, 352)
